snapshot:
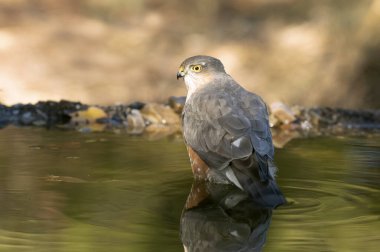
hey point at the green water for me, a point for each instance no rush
(68, 191)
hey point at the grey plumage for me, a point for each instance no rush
(228, 127)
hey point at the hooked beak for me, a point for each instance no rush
(180, 75)
(181, 72)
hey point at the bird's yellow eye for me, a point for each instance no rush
(196, 68)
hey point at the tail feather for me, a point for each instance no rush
(265, 193)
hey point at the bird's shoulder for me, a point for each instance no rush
(221, 100)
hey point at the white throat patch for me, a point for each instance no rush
(191, 86)
(194, 83)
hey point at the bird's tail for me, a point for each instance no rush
(265, 193)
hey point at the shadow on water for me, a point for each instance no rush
(67, 191)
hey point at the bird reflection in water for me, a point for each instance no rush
(219, 217)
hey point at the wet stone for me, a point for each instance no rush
(117, 115)
(281, 113)
(27, 118)
(136, 105)
(135, 122)
(159, 114)
(88, 120)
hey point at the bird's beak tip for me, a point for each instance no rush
(180, 75)
(181, 72)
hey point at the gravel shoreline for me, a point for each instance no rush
(160, 120)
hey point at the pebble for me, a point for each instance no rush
(135, 122)
(282, 113)
(159, 114)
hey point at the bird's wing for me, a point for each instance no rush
(226, 126)
(260, 135)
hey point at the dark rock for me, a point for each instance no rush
(328, 117)
(59, 112)
(5, 116)
(136, 105)
(27, 118)
(117, 114)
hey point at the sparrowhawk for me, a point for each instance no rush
(226, 131)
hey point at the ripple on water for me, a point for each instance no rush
(314, 202)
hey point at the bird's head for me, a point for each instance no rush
(199, 70)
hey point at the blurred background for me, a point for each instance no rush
(320, 52)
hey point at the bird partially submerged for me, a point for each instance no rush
(227, 132)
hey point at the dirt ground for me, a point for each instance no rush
(119, 51)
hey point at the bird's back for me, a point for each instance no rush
(226, 121)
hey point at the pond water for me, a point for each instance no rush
(69, 191)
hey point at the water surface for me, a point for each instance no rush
(68, 191)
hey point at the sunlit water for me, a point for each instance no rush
(67, 191)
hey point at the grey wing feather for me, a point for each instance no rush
(261, 136)
(253, 115)
(225, 126)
